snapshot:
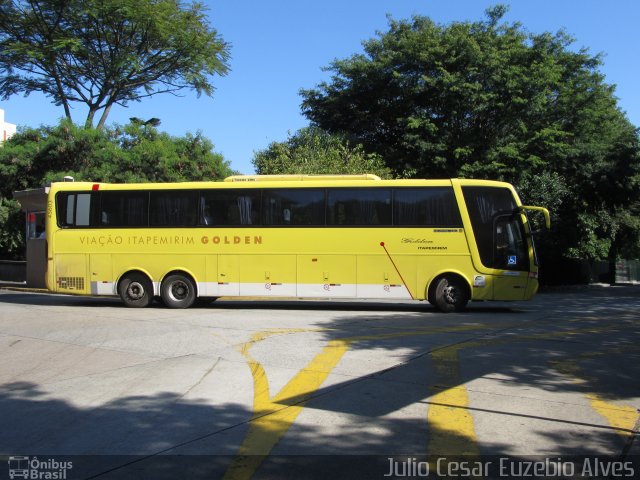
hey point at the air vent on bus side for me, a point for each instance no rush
(71, 283)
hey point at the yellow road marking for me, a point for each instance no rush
(451, 425)
(451, 429)
(621, 417)
(272, 418)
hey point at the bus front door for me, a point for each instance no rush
(511, 257)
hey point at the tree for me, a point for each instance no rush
(313, 151)
(488, 99)
(102, 53)
(133, 153)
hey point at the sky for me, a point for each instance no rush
(281, 46)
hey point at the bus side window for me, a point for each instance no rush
(206, 217)
(124, 209)
(359, 206)
(426, 206)
(76, 209)
(229, 207)
(304, 206)
(173, 208)
(70, 209)
(83, 210)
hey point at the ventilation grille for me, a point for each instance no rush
(71, 283)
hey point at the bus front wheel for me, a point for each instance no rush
(135, 290)
(450, 295)
(178, 291)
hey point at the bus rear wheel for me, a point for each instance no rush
(178, 291)
(135, 290)
(450, 295)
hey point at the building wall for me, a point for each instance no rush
(7, 130)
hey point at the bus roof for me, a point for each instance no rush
(299, 178)
(278, 181)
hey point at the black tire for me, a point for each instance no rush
(135, 290)
(450, 295)
(178, 291)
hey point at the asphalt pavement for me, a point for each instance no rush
(265, 389)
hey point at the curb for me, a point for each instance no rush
(21, 287)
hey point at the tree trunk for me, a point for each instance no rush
(67, 110)
(613, 260)
(105, 114)
(89, 121)
(61, 93)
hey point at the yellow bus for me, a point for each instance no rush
(355, 236)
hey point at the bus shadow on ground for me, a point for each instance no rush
(228, 303)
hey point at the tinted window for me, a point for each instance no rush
(511, 251)
(83, 209)
(361, 206)
(173, 208)
(486, 206)
(124, 209)
(76, 209)
(304, 206)
(230, 207)
(70, 209)
(435, 207)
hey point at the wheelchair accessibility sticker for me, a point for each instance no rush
(512, 260)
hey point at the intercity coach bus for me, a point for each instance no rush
(354, 236)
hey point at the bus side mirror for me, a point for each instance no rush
(544, 211)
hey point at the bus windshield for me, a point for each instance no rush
(498, 228)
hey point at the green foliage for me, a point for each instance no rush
(313, 151)
(11, 229)
(104, 53)
(133, 153)
(491, 100)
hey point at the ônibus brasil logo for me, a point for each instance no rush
(32, 468)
